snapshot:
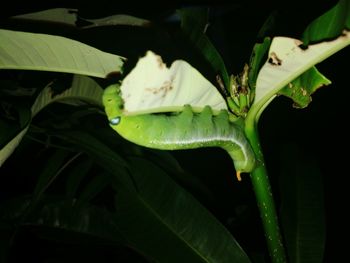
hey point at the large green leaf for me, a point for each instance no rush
(287, 61)
(101, 154)
(152, 87)
(289, 58)
(150, 202)
(83, 88)
(166, 161)
(302, 206)
(167, 224)
(32, 51)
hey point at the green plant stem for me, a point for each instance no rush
(265, 200)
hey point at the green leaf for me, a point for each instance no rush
(66, 16)
(287, 61)
(302, 206)
(83, 88)
(52, 168)
(69, 17)
(163, 159)
(15, 116)
(76, 174)
(32, 51)
(257, 59)
(288, 58)
(13, 128)
(108, 159)
(64, 215)
(166, 223)
(93, 188)
(7, 150)
(194, 22)
(330, 25)
(117, 20)
(301, 89)
(268, 25)
(166, 161)
(152, 87)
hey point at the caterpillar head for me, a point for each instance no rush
(113, 103)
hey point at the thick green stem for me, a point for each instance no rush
(265, 201)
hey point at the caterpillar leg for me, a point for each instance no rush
(182, 124)
(222, 121)
(186, 115)
(206, 112)
(205, 122)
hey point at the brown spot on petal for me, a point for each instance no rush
(163, 90)
(274, 60)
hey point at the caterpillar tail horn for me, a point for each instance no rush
(238, 175)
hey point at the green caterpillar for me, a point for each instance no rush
(184, 130)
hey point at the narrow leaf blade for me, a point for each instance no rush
(67, 16)
(76, 175)
(330, 25)
(257, 60)
(117, 20)
(50, 171)
(194, 22)
(302, 206)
